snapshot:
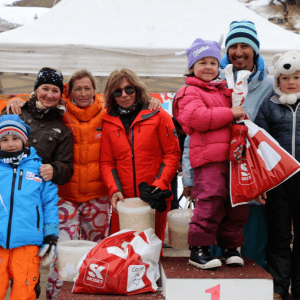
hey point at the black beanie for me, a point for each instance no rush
(49, 76)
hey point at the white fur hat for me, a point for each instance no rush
(287, 63)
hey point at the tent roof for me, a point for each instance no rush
(141, 35)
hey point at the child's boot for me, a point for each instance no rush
(277, 297)
(232, 257)
(201, 258)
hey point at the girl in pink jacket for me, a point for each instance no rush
(205, 114)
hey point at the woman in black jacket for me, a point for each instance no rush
(49, 136)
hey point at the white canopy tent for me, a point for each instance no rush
(142, 35)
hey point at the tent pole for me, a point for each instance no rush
(1, 91)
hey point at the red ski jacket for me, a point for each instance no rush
(149, 153)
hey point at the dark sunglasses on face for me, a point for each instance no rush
(129, 90)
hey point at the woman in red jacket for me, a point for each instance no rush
(140, 151)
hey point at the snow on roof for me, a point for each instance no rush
(142, 35)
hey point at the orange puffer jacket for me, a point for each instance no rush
(86, 126)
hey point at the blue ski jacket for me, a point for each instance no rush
(27, 203)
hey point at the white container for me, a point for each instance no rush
(69, 254)
(178, 228)
(135, 214)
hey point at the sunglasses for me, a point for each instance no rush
(129, 90)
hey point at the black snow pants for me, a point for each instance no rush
(283, 211)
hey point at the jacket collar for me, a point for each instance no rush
(275, 99)
(87, 113)
(256, 78)
(144, 114)
(261, 68)
(202, 84)
(115, 113)
(52, 113)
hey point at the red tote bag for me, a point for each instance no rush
(124, 263)
(264, 166)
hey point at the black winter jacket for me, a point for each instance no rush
(52, 140)
(282, 122)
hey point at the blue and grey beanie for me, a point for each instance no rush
(242, 32)
(13, 125)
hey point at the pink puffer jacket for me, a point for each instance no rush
(205, 115)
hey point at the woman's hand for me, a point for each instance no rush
(46, 172)
(262, 198)
(15, 105)
(154, 103)
(117, 196)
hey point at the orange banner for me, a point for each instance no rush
(5, 98)
(165, 98)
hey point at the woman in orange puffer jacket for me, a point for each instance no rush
(84, 206)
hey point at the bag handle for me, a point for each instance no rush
(189, 202)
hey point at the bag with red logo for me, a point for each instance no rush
(265, 164)
(124, 263)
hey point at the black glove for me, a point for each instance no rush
(48, 249)
(154, 196)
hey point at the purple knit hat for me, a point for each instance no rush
(200, 49)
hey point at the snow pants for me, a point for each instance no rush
(283, 262)
(255, 234)
(22, 265)
(214, 219)
(79, 221)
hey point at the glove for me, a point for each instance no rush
(238, 142)
(48, 249)
(154, 196)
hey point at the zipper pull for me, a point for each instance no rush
(20, 180)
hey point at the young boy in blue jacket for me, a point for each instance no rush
(28, 212)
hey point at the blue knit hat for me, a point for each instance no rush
(201, 49)
(242, 32)
(13, 125)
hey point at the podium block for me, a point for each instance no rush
(181, 281)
